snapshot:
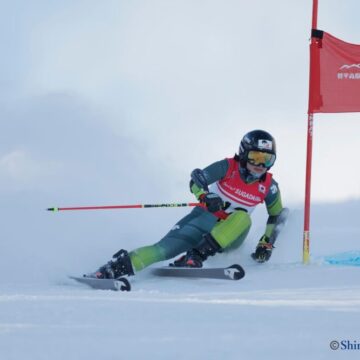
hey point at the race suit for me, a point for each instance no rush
(229, 227)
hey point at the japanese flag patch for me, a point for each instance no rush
(265, 144)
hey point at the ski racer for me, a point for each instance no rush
(229, 189)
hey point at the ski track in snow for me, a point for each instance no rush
(329, 298)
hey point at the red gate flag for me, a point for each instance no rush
(334, 75)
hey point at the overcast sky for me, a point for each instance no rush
(117, 101)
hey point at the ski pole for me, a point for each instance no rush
(111, 207)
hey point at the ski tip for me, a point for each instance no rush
(120, 284)
(125, 284)
(239, 273)
(53, 209)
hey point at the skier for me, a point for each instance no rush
(229, 189)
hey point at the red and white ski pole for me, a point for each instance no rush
(112, 207)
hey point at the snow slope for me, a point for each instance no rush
(280, 310)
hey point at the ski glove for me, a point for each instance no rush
(263, 250)
(199, 179)
(212, 201)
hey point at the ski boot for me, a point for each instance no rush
(120, 266)
(194, 258)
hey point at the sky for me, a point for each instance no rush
(118, 101)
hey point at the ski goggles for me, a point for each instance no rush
(259, 158)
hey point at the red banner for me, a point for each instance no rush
(334, 75)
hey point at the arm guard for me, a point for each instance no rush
(201, 179)
(275, 224)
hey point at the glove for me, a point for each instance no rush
(263, 250)
(199, 179)
(212, 201)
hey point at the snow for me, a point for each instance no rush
(280, 310)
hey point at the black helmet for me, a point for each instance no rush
(257, 141)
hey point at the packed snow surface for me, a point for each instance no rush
(280, 310)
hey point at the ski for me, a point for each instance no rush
(120, 284)
(233, 272)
